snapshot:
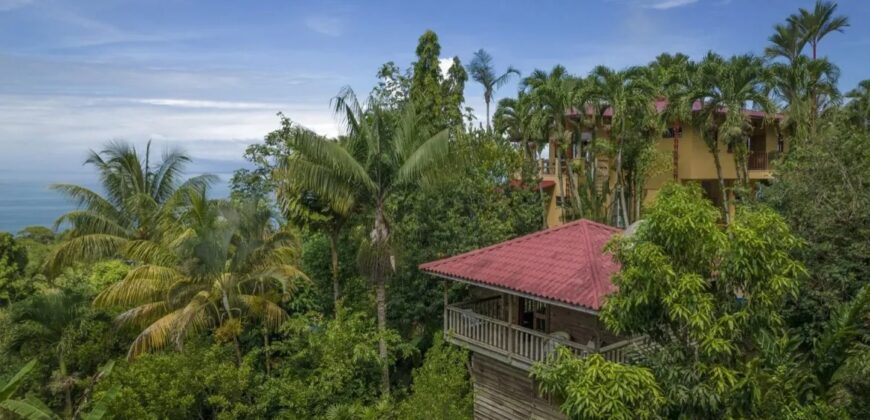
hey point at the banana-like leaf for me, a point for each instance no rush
(28, 408)
(101, 408)
(10, 387)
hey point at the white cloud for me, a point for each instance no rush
(200, 104)
(70, 125)
(670, 4)
(7, 5)
(658, 4)
(326, 25)
(444, 64)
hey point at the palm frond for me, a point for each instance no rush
(426, 157)
(155, 337)
(84, 248)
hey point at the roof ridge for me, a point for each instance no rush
(498, 245)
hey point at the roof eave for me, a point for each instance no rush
(509, 291)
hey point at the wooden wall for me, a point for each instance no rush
(502, 392)
(581, 326)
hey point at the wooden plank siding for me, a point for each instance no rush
(582, 327)
(502, 392)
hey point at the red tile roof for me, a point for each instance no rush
(565, 264)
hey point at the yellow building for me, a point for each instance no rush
(691, 161)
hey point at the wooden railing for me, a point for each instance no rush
(547, 167)
(509, 342)
(492, 307)
(758, 161)
(625, 351)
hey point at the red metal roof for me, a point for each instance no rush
(661, 104)
(565, 264)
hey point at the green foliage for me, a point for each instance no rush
(473, 207)
(454, 93)
(441, 388)
(13, 264)
(425, 92)
(593, 388)
(707, 296)
(317, 266)
(201, 381)
(328, 366)
(822, 188)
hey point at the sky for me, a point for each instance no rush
(210, 76)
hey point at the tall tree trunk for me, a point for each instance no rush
(381, 301)
(266, 352)
(620, 185)
(226, 303)
(487, 116)
(559, 182)
(380, 236)
(67, 392)
(539, 178)
(676, 157)
(572, 185)
(333, 249)
(725, 210)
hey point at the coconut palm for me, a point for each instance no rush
(220, 266)
(381, 152)
(482, 71)
(817, 24)
(630, 97)
(135, 196)
(723, 89)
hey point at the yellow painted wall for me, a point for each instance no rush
(695, 164)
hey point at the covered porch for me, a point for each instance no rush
(521, 332)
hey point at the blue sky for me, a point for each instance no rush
(210, 75)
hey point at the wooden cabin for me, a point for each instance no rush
(528, 296)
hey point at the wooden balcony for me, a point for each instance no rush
(758, 161)
(481, 328)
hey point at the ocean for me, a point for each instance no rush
(27, 200)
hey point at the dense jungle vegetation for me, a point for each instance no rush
(299, 296)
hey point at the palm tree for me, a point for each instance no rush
(787, 41)
(382, 152)
(554, 94)
(819, 23)
(522, 121)
(671, 74)
(482, 71)
(630, 96)
(306, 208)
(808, 88)
(135, 197)
(723, 89)
(220, 266)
